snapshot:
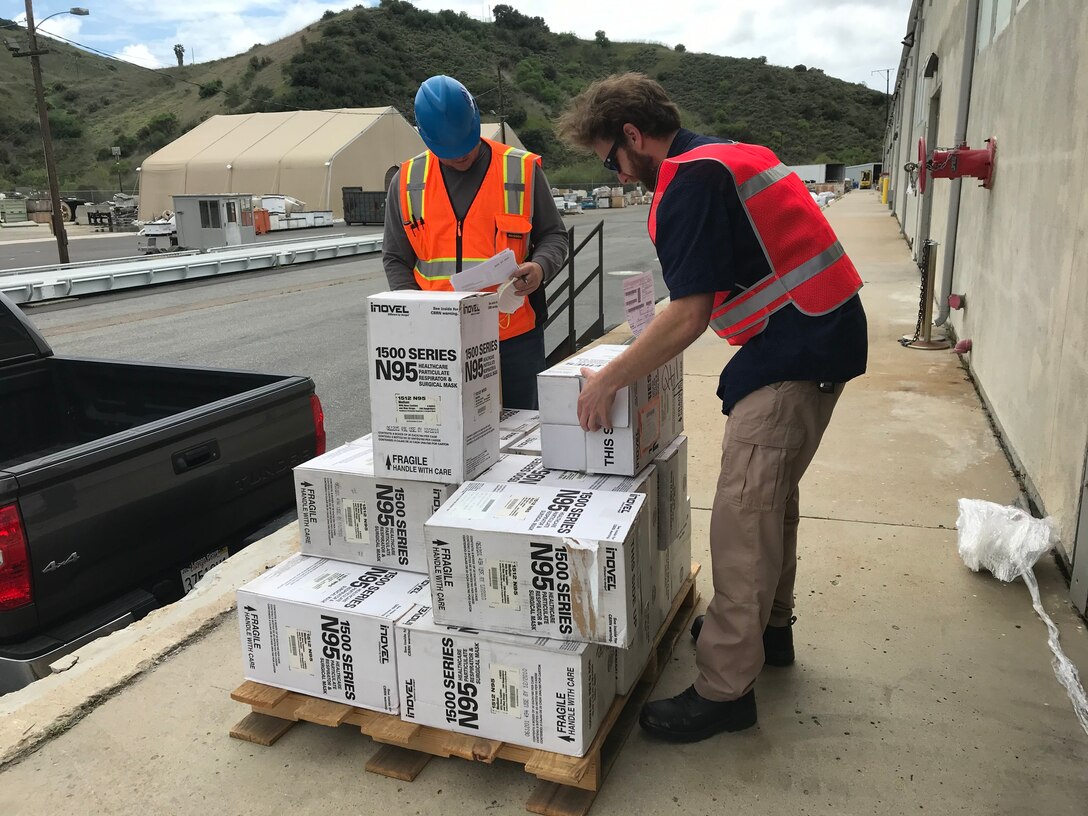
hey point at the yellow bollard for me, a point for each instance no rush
(884, 190)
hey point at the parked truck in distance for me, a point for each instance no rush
(122, 483)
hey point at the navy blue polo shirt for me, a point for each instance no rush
(706, 243)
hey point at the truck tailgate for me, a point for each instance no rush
(104, 516)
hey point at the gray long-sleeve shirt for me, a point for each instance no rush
(547, 242)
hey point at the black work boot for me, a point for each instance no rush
(687, 717)
(777, 642)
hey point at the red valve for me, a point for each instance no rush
(957, 163)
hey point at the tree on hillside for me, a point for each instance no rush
(601, 38)
(179, 52)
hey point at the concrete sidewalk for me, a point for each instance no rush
(919, 686)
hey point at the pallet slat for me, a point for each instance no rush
(568, 785)
(261, 729)
(398, 763)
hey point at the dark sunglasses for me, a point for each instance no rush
(610, 161)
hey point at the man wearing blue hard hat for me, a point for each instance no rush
(464, 200)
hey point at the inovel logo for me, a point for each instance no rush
(386, 308)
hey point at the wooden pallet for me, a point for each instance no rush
(568, 785)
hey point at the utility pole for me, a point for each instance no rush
(502, 110)
(47, 137)
(887, 91)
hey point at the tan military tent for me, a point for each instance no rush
(309, 155)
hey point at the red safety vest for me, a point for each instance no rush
(808, 265)
(501, 217)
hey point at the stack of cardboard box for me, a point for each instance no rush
(466, 588)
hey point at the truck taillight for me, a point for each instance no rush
(319, 423)
(14, 564)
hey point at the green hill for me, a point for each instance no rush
(378, 56)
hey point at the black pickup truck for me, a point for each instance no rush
(122, 483)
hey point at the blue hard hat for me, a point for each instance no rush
(447, 117)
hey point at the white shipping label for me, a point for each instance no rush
(301, 650)
(638, 301)
(515, 507)
(418, 410)
(506, 690)
(502, 583)
(484, 504)
(355, 523)
(326, 580)
(482, 399)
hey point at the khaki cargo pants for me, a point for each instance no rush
(770, 438)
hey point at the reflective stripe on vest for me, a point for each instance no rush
(516, 167)
(416, 169)
(788, 225)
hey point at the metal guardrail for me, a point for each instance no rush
(571, 288)
(71, 280)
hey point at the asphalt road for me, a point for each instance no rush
(307, 319)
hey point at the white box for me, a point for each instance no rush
(518, 419)
(348, 513)
(512, 469)
(325, 628)
(537, 560)
(646, 416)
(434, 384)
(528, 445)
(523, 470)
(515, 425)
(535, 692)
(508, 438)
(674, 567)
(674, 506)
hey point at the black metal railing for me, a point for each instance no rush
(568, 289)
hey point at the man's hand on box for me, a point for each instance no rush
(595, 401)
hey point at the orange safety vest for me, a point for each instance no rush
(808, 265)
(500, 217)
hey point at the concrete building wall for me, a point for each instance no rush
(928, 109)
(1020, 252)
(1017, 245)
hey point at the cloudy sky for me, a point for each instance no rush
(846, 38)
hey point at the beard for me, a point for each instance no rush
(644, 167)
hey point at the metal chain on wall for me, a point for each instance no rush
(923, 261)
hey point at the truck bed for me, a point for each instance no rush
(124, 473)
(58, 403)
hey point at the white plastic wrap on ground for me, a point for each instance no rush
(1008, 541)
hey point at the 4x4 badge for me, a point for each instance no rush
(53, 566)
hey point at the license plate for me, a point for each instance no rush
(191, 574)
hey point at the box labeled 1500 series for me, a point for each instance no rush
(645, 562)
(646, 416)
(536, 692)
(434, 384)
(325, 628)
(554, 562)
(348, 513)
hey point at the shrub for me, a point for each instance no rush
(210, 89)
(65, 126)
